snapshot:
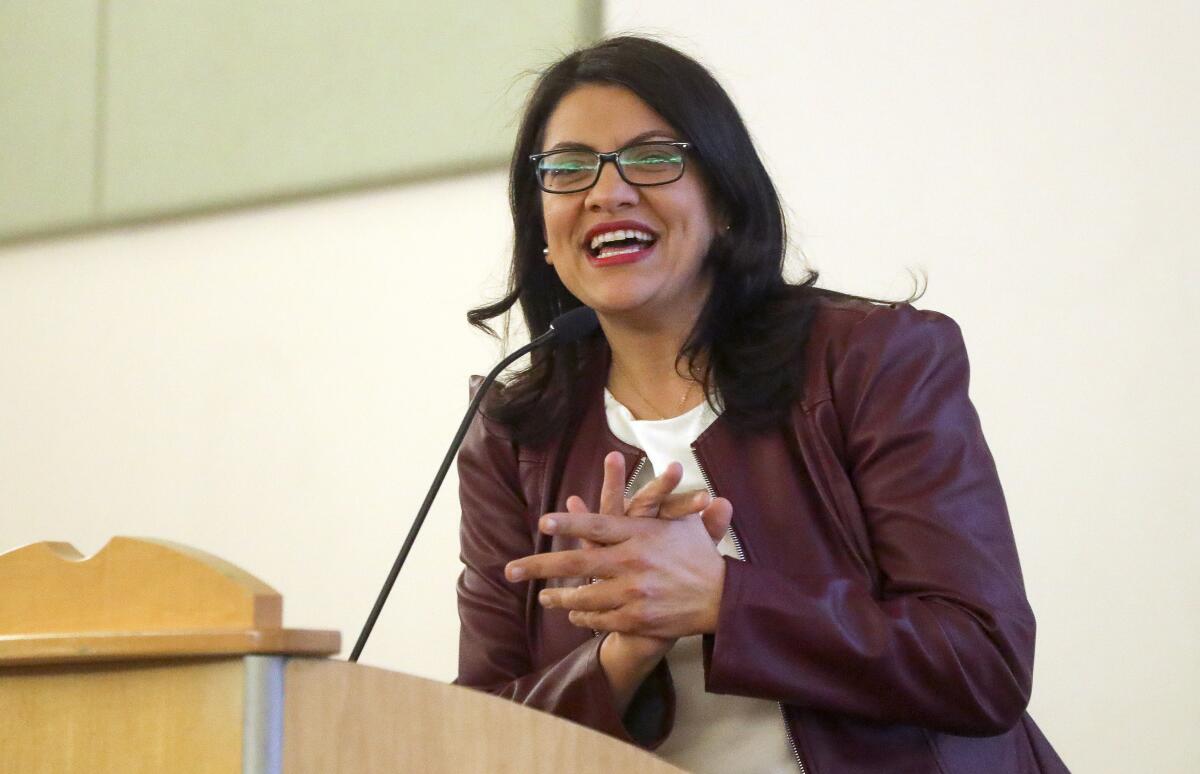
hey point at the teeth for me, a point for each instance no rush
(617, 251)
(614, 236)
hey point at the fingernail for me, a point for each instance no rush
(549, 525)
(515, 573)
(543, 597)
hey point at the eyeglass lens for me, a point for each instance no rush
(576, 170)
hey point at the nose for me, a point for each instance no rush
(611, 192)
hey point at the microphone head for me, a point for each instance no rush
(574, 325)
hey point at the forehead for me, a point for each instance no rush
(603, 117)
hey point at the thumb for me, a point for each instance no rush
(716, 518)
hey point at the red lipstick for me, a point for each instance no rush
(618, 242)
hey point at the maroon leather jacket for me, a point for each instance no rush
(880, 600)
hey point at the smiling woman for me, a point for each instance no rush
(653, 272)
(812, 530)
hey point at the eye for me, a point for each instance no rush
(652, 163)
(651, 157)
(567, 169)
(566, 164)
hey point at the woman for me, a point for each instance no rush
(852, 600)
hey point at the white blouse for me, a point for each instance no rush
(712, 732)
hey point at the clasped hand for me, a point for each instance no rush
(657, 569)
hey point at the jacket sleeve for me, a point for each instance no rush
(495, 652)
(944, 640)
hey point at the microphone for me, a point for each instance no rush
(567, 328)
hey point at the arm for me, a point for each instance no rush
(496, 614)
(946, 641)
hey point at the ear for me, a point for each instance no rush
(722, 219)
(722, 229)
(546, 255)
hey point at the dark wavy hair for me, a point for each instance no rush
(754, 324)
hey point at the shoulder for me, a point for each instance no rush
(487, 442)
(851, 337)
(840, 322)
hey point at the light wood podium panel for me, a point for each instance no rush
(152, 657)
(133, 717)
(388, 721)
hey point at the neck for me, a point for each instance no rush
(647, 375)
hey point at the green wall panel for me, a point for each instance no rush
(214, 103)
(47, 108)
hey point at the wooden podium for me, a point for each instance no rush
(154, 657)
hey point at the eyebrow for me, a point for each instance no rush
(650, 135)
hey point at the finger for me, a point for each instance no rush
(716, 518)
(612, 491)
(577, 505)
(601, 621)
(582, 563)
(681, 504)
(602, 595)
(617, 620)
(646, 502)
(596, 527)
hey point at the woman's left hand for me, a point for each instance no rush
(656, 577)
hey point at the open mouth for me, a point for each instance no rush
(621, 242)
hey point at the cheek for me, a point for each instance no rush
(556, 220)
(692, 219)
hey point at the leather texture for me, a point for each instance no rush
(881, 600)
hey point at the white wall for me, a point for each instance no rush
(275, 387)
(1039, 160)
(264, 385)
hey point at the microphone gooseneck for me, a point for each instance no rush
(574, 325)
(565, 329)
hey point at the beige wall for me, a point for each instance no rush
(275, 386)
(1039, 160)
(263, 385)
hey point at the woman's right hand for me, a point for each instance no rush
(656, 500)
(628, 659)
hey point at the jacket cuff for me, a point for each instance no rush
(651, 714)
(724, 656)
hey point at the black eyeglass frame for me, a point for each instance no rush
(614, 157)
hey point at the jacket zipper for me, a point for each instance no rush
(637, 469)
(741, 555)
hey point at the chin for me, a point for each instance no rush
(624, 308)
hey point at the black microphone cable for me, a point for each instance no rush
(566, 328)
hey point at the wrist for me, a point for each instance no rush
(635, 652)
(712, 611)
(626, 661)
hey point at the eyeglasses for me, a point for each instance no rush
(644, 164)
